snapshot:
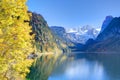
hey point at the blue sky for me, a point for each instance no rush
(75, 13)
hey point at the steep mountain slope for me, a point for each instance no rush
(61, 35)
(109, 39)
(112, 30)
(106, 22)
(44, 40)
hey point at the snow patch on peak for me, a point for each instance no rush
(71, 30)
(82, 34)
(98, 29)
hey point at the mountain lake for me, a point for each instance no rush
(88, 66)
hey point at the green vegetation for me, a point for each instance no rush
(44, 40)
(44, 65)
(47, 49)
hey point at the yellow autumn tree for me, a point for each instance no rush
(15, 41)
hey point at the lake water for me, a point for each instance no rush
(88, 67)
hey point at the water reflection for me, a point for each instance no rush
(90, 68)
(81, 70)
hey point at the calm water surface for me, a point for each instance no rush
(89, 67)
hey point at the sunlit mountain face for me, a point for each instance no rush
(82, 34)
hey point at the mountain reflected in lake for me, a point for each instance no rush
(89, 67)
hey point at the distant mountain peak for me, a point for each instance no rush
(107, 20)
(82, 34)
(109, 16)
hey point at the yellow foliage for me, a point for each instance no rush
(15, 41)
(63, 59)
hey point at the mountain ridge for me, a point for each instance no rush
(109, 39)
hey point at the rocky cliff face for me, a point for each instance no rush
(61, 35)
(106, 22)
(45, 39)
(59, 32)
(112, 30)
(43, 36)
(109, 39)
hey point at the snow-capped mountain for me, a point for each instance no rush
(82, 34)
